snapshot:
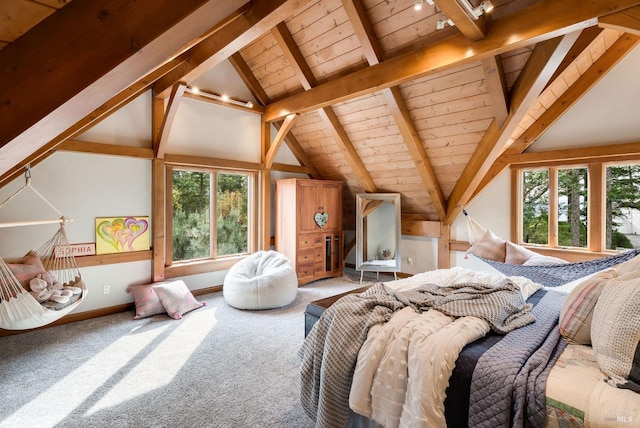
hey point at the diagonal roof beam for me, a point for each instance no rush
(308, 80)
(543, 61)
(83, 55)
(543, 20)
(374, 53)
(626, 21)
(90, 120)
(259, 19)
(261, 96)
(607, 61)
(497, 85)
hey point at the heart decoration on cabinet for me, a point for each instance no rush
(321, 217)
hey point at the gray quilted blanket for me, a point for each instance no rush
(329, 353)
(508, 384)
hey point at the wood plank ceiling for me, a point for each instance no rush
(381, 98)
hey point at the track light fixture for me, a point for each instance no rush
(443, 21)
(419, 3)
(224, 98)
(484, 7)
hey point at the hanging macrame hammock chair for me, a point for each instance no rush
(551, 275)
(19, 310)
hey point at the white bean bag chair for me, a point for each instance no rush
(264, 280)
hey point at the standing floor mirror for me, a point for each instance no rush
(378, 232)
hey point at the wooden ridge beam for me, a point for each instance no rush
(472, 28)
(543, 20)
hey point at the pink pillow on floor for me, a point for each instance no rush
(147, 301)
(176, 298)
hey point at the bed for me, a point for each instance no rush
(383, 357)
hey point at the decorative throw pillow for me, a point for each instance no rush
(577, 311)
(615, 331)
(27, 268)
(540, 260)
(147, 301)
(489, 247)
(516, 254)
(632, 265)
(176, 298)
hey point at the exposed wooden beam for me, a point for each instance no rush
(279, 138)
(247, 76)
(186, 160)
(259, 19)
(375, 54)
(238, 104)
(83, 55)
(587, 80)
(540, 66)
(587, 36)
(473, 28)
(97, 115)
(607, 61)
(104, 149)
(627, 21)
(581, 154)
(308, 81)
(292, 168)
(541, 21)
(161, 141)
(497, 86)
(259, 94)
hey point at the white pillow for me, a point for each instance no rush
(540, 260)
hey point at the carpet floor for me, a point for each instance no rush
(217, 367)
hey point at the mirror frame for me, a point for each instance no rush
(361, 198)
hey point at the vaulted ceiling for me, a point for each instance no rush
(369, 92)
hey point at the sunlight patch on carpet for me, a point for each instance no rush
(56, 403)
(158, 369)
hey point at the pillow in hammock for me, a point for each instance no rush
(489, 247)
(27, 268)
(147, 301)
(176, 298)
(517, 254)
(540, 260)
(577, 310)
(615, 331)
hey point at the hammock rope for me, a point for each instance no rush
(548, 275)
(19, 310)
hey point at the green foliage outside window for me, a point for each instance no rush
(192, 232)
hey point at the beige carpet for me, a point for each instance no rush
(217, 367)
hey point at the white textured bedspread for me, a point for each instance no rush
(421, 347)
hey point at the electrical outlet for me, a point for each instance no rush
(409, 260)
(107, 289)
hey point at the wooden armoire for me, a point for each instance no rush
(308, 226)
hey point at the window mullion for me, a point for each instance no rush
(553, 207)
(596, 214)
(213, 233)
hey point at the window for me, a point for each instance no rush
(622, 208)
(554, 207)
(211, 225)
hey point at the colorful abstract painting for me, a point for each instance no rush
(122, 234)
